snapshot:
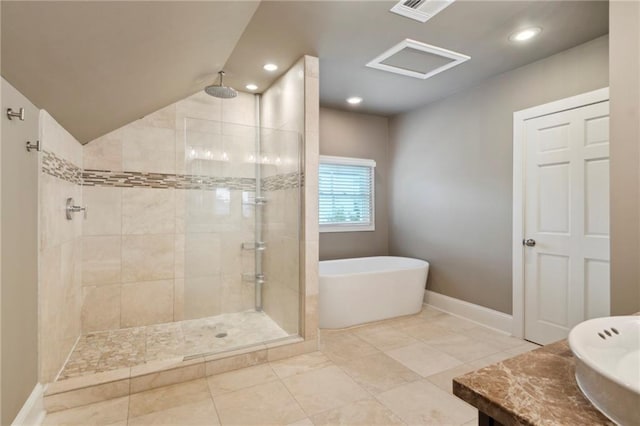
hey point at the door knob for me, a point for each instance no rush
(529, 243)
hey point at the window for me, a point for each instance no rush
(346, 194)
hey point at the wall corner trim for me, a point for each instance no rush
(32, 412)
(479, 314)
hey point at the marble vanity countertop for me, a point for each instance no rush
(535, 388)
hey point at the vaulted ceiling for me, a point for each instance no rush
(96, 66)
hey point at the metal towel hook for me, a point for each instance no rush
(11, 114)
(33, 146)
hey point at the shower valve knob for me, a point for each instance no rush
(71, 208)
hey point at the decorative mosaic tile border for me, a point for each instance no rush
(164, 180)
(65, 170)
(286, 181)
(61, 168)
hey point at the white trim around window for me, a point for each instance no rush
(345, 182)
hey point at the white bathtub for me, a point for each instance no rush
(357, 291)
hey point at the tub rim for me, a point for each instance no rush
(422, 264)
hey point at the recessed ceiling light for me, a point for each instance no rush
(270, 67)
(251, 86)
(525, 34)
(354, 100)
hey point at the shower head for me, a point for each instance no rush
(220, 90)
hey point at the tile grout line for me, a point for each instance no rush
(213, 401)
(307, 415)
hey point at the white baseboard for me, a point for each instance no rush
(32, 412)
(476, 313)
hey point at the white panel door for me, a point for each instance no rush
(566, 258)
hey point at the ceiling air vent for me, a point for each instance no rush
(416, 59)
(420, 10)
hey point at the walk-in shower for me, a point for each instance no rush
(212, 263)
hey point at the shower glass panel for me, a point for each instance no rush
(241, 236)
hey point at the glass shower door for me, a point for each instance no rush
(229, 207)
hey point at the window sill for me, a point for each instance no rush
(346, 228)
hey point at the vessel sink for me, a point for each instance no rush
(607, 352)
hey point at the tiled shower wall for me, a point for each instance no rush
(292, 104)
(136, 184)
(60, 246)
(281, 293)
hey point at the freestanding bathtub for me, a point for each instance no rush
(361, 290)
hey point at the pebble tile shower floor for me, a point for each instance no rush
(395, 372)
(114, 349)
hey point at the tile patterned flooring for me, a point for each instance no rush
(394, 372)
(114, 349)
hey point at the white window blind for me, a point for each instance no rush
(346, 194)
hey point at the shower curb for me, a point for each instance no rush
(85, 390)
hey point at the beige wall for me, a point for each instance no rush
(310, 248)
(451, 173)
(19, 218)
(60, 292)
(349, 134)
(156, 255)
(624, 63)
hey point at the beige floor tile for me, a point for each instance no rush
(488, 360)
(168, 397)
(473, 422)
(378, 372)
(423, 359)
(407, 321)
(499, 340)
(197, 414)
(324, 389)
(444, 379)
(462, 347)
(101, 413)
(240, 379)
(423, 403)
(343, 346)
(300, 364)
(425, 332)
(384, 337)
(265, 404)
(453, 323)
(304, 422)
(428, 312)
(366, 412)
(525, 347)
